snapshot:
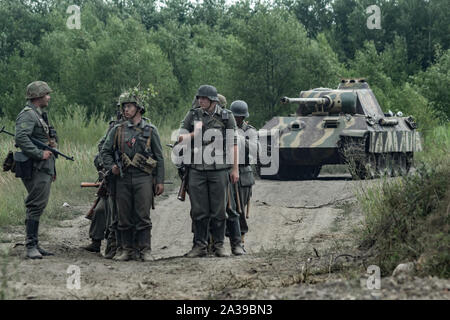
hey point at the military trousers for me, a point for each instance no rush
(98, 223)
(38, 188)
(208, 191)
(134, 193)
(245, 194)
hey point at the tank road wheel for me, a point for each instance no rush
(403, 166)
(396, 164)
(381, 164)
(409, 161)
(390, 165)
(353, 151)
(371, 166)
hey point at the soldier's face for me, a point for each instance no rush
(129, 110)
(239, 121)
(204, 102)
(42, 102)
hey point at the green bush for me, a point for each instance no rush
(407, 218)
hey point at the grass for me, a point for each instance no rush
(407, 219)
(78, 137)
(6, 275)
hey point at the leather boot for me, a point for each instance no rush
(218, 235)
(201, 239)
(197, 251)
(31, 240)
(94, 246)
(42, 251)
(110, 250)
(242, 241)
(234, 232)
(144, 245)
(127, 252)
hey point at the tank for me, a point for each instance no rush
(341, 126)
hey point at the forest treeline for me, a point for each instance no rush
(256, 51)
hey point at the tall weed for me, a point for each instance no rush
(407, 219)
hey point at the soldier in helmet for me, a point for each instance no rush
(104, 221)
(37, 167)
(248, 144)
(135, 146)
(233, 231)
(208, 182)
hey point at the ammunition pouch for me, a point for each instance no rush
(139, 161)
(9, 163)
(143, 163)
(24, 166)
(126, 161)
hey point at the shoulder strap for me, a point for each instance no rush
(119, 138)
(148, 131)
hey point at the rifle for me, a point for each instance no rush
(238, 198)
(41, 145)
(183, 172)
(118, 162)
(102, 192)
(183, 186)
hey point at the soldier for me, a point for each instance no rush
(248, 143)
(133, 152)
(104, 221)
(233, 230)
(208, 183)
(37, 167)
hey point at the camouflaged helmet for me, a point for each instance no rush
(239, 109)
(207, 91)
(37, 89)
(126, 97)
(222, 100)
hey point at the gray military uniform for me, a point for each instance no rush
(134, 191)
(30, 123)
(208, 182)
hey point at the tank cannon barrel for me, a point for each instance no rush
(324, 100)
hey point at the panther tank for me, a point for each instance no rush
(340, 126)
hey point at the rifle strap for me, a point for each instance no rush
(44, 124)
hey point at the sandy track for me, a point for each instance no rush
(288, 220)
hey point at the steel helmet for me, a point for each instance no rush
(239, 108)
(207, 91)
(127, 97)
(222, 100)
(37, 89)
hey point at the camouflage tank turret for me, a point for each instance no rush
(342, 126)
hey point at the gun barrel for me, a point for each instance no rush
(44, 146)
(3, 130)
(90, 185)
(286, 100)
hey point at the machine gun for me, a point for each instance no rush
(41, 145)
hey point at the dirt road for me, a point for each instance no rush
(300, 233)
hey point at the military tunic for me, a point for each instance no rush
(134, 191)
(30, 123)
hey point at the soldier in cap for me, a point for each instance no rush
(36, 166)
(208, 182)
(248, 144)
(133, 153)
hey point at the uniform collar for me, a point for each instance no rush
(38, 109)
(217, 110)
(141, 124)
